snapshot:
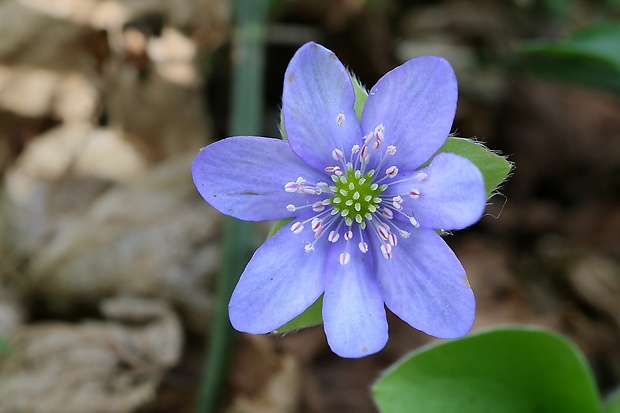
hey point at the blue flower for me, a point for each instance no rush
(364, 210)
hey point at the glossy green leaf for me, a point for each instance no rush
(516, 370)
(613, 403)
(590, 56)
(494, 168)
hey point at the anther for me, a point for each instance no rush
(414, 222)
(345, 257)
(337, 154)
(391, 171)
(340, 119)
(390, 150)
(363, 247)
(383, 232)
(386, 250)
(291, 208)
(291, 187)
(316, 224)
(422, 176)
(387, 212)
(316, 207)
(414, 193)
(297, 227)
(392, 239)
(379, 131)
(333, 236)
(348, 235)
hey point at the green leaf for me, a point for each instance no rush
(494, 168)
(311, 317)
(590, 56)
(612, 404)
(520, 370)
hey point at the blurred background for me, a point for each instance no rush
(108, 255)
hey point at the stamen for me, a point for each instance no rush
(363, 247)
(291, 208)
(291, 187)
(337, 154)
(316, 224)
(355, 149)
(414, 222)
(422, 176)
(316, 207)
(364, 153)
(414, 193)
(391, 171)
(309, 247)
(297, 227)
(390, 150)
(392, 239)
(333, 236)
(340, 119)
(386, 250)
(387, 212)
(348, 235)
(379, 131)
(345, 257)
(384, 233)
(321, 187)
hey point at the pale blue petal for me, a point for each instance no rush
(279, 283)
(451, 197)
(244, 177)
(416, 103)
(317, 90)
(353, 310)
(425, 285)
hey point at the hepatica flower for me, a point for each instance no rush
(363, 204)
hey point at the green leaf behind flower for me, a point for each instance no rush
(494, 168)
(311, 317)
(361, 96)
(509, 370)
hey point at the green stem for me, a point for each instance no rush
(248, 53)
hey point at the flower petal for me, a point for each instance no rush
(416, 103)
(317, 106)
(244, 177)
(451, 194)
(353, 310)
(425, 285)
(279, 283)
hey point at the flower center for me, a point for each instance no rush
(356, 206)
(356, 197)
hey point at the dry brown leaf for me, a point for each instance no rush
(112, 366)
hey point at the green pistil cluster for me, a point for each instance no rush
(356, 197)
